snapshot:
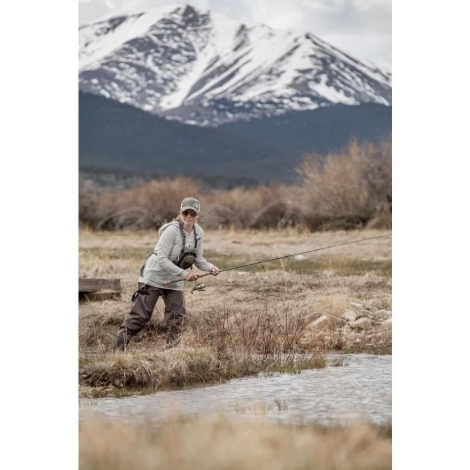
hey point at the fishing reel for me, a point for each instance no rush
(198, 286)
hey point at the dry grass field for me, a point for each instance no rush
(256, 318)
(220, 443)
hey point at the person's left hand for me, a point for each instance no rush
(214, 271)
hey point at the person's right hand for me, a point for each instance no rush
(191, 277)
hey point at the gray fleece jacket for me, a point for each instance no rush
(159, 267)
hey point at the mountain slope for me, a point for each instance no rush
(322, 130)
(205, 69)
(115, 136)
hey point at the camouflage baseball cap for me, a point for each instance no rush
(190, 203)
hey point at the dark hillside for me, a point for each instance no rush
(120, 137)
(322, 130)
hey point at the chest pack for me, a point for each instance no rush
(187, 256)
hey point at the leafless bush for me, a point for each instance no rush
(88, 196)
(343, 190)
(261, 207)
(349, 188)
(267, 333)
(145, 206)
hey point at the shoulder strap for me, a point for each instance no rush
(184, 235)
(180, 222)
(195, 236)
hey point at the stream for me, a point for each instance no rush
(360, 390)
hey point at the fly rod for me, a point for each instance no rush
(275, 259)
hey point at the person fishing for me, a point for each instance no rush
(163, 274)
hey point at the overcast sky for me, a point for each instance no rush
(362, 28)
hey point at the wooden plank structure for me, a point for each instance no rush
(99, 289)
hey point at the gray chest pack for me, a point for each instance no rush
(187, 256)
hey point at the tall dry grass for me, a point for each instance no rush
(220, 443)
(213, 348)
(267, 332)
(246, 320)
(350, 188)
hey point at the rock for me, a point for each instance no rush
(355, 304)
(321, 322)
(327, 321)
(117, 382)
(383, 314)
(361, 324)
(346, 329)
(350, 315)
(387, 324)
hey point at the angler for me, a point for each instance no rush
(179, 247)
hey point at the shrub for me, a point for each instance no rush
(346, 189)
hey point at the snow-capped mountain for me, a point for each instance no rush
(204, 68)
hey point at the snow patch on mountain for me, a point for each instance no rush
(205, 68)
(100, 39)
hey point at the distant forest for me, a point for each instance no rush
(121, 140)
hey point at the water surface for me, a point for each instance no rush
(362, 390)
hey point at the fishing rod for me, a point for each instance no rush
(202, 286)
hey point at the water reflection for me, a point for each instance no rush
(360, 391)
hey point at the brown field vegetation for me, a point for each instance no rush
(222, 443)
(348, 189)
(258, 318)
(268, 317)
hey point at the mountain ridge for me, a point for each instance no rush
(205, 69)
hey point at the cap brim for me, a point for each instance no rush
(190, 208)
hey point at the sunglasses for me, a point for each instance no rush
(191, 213)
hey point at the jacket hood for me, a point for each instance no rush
(164, 226)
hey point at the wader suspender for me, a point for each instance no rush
(180, 223)
(183, 234)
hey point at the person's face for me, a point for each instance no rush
(189, 216)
